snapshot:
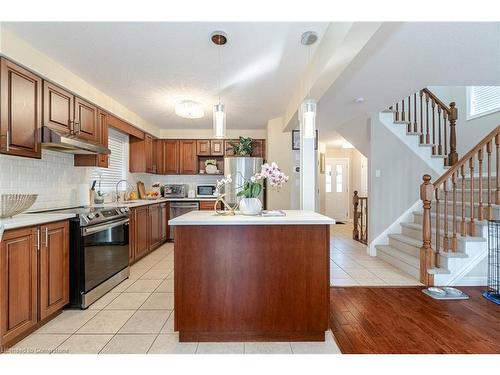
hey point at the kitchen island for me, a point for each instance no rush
(251, 278)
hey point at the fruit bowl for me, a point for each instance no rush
(14, 204)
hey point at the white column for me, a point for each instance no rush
(307, 173)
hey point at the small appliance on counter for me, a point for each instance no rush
(175, 191)
(205, 190)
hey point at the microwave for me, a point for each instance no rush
(205, 190)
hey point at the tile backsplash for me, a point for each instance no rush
(55, 179)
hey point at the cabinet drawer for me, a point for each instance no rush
(209, 205)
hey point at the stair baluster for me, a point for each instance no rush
(463, 229)
(415, 125)
(489, 212)
(440, 140)
(445, 229)
(445, 115)
(403, 117)
(472, 226)
(428, 135)
(480, 185)
(409, 115)
(454, 177)
(396, 115)
(433, 127)
(422, 138)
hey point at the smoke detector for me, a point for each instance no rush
(308, 38)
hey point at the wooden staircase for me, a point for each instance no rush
(448, 237)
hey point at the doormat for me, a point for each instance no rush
(445, 293)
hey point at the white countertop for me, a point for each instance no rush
(293, 217)
(28, 220)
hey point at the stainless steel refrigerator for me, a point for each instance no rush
(240, 168)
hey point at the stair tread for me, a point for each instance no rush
(417, 226)
(400, 255)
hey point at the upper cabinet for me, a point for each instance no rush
(188, 157)
(210, 147)
(141, 154)
(20, 111)
(64, 112)
(85, 119)
(217, 147)
(100, 160)
(58, 107)
(170, 156)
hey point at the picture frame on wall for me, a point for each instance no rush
(296, 140)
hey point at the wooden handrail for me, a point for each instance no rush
(433, 121)
(436, 99)
(464, 159)
(466, 208)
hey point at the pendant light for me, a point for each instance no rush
(307, 110)
(219, 38)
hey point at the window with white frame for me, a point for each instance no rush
(482, 100)
(118, 162)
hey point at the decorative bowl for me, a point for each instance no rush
(14, 204)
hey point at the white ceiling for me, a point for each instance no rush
(148, 67)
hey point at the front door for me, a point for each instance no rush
(336, 192)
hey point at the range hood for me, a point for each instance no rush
(69, 143)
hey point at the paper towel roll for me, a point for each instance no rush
(83, 195)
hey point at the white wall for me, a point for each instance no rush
(279, 150)
(357, 133)
(397, 188)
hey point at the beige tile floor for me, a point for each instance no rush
(350, 265)
(136, 317)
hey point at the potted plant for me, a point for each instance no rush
(243, 147)
(250, 204)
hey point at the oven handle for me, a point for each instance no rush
(100, 228)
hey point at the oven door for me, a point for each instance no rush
(105, 251)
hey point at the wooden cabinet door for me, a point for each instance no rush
(142, 233)
(228, 149)
(58, 111)
(148, 150)
(164, 216)
(217, 147)
(188, 157)
(103, 159)
(132, 235)
(20, 111)
(203, 147)
(171, 156)
(85, 119)
(18, 282)
(54, 268)
(160, 159)
(258, 148)
(155, 225)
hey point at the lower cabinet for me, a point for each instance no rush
(209, 205)
(34, 278)
(148, 229)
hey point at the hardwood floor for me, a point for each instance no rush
(404, 320)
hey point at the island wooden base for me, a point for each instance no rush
(252, 282)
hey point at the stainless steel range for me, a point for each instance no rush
(99, 252)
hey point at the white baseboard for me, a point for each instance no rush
(395, 227)
(473, 281)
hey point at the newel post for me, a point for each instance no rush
(355, 203)
(453, 156)
(426, 252)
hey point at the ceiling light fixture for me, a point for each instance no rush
(189, 109)
(359, 100)
(307, 111)
(219, 38)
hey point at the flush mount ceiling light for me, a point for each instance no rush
(219, 38)
(359, 100)
(189, 109)
(307, 109)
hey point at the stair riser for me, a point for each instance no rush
(417, 234)
(495, 212)
(404, 247)
(481, 230)
(405, 267)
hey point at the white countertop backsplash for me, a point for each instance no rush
(293, 217)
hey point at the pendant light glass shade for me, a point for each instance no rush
(219, 121)
(308, 118)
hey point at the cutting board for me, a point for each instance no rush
(141, 189)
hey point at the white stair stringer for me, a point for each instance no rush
(412, 141)
(403, 251)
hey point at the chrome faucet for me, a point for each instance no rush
(116, 188)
